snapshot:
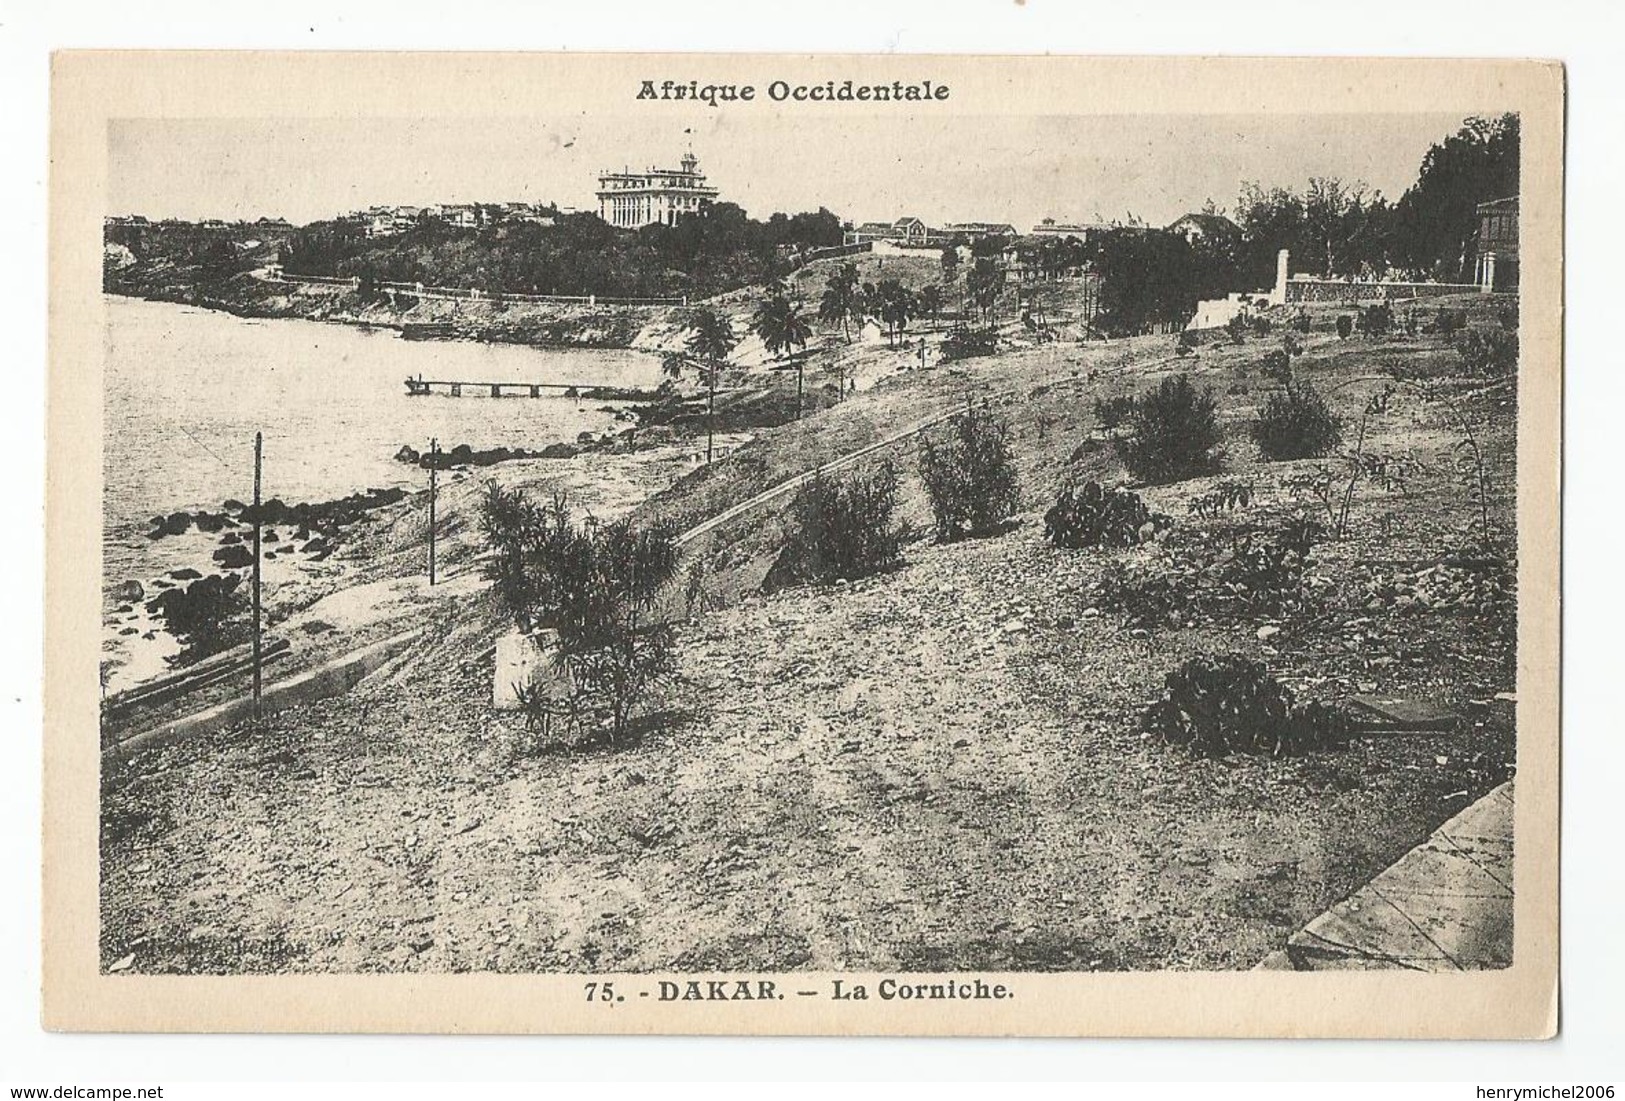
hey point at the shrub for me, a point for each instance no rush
(1300, 321)
(1345, 326)
(1216, 705)
(1296, 423)
(1092, 516)
(1174, 429)
(1447, 321)
(1277, 366)
(1377, 320)
(1224, 497)
(1236, 327)
(967, 343)
(970, 477)
(1113, 411)
(844, 531)
(1489, 351)
(593, 585)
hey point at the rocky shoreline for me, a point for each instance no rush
(540, 325)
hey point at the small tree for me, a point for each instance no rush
(593, 584)
(844, 530)
(970, 476)
(1173, 431)
(711, 342)
(780, 324)
(840, 299)
(1296, 423)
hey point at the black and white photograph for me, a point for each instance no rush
(818, 540)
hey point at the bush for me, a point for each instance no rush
(1113, 411)
(1236, 327)
(1216, 705)
(844, 531)
(1376, 321)
(1277, 366)
(1222, 498)
(1296, 423)
(1241, 576)
(1446, 321)
(967, 343)
(970, 477)
(1345, 326)
(1300, 321)
(1489, 351)
(1174, 429)
(1092, 516)
(592, 585)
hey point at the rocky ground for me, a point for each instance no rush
(936, 768)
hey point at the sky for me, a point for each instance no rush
(939, 168)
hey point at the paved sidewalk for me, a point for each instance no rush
(1444, 906)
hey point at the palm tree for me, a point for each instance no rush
(985, 282)
(896, 307)
(930, 302)
(780, 324)
(840, 301)
(711, 342)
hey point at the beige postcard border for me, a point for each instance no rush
(90, 88)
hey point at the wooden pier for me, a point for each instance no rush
(420, 387)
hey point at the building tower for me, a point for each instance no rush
(663, 196)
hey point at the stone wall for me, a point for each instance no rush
(1337, 290)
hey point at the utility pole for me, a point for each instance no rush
(434, 456)
(710, 411)
(800, 369)
(259, 441)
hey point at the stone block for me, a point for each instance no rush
(520, 659)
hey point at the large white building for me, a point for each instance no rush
(661, 195)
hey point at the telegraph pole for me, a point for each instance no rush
(710, 411)
(259, 441)
(434, 455)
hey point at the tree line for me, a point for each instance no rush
(716, 250)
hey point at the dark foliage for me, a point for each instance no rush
(1489, 351)
(964, 342)
(592, 585)
(1436, 220)
(1296, 423)
(719, 249)
(1113, 411)
(844, 529)
(1345, 326)
(970, 476)
(1377, 321)
(1228, 703)
(1222, 498)
(1092, 516)
(1173, 431)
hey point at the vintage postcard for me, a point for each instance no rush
(803, 545)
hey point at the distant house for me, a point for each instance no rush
(1496, 267)
(1084, 231)
(911, 232)
(977, 230)
(1049, 227)
(1205, 227)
